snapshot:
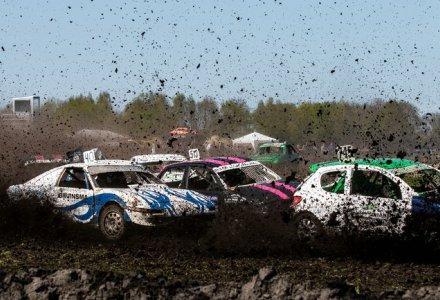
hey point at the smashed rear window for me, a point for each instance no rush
(246, 175)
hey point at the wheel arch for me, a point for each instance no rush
(111, 201)
(311, 216)
(296, 214)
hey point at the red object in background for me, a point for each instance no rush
(57, 157)
(182, 131)
(39, 158)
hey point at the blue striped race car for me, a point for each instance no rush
(112, 194)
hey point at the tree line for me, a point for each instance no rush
(386, 127)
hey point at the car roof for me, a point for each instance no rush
(213, 161)
(151, 158)
(106, 162)
(385, 163)
(96, 169)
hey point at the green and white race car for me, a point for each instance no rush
(383, 195)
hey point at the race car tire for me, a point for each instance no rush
(111, 222)
(308, 227)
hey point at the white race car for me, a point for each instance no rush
(387, 195)
(112, 193)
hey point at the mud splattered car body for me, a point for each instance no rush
(85, 191)
(380, 195)
(233, 179)
(156, 162)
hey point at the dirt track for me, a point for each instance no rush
(37, 283)
(173, 266)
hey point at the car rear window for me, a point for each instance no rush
(246, 175)
(422, 181)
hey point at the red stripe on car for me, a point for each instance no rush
(272, 190)
(286, 186)
(217, 162)
(236, 159)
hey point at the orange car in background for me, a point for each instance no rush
(182, 131)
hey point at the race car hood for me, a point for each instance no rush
(173, 202)
(279, 190)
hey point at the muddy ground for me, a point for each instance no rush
(183, 259)
(204, 259)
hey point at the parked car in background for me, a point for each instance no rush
(232, 179)
(112, 194)
(182, 132)
(156, 162)
(385, 195)
(277, 153)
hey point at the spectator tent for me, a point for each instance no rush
(253, 139)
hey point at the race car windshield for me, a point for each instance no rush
(246, 175)
(123, 179)
(422, 181)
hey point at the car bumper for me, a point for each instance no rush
(154, 219)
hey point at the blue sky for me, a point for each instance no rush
(289, 50)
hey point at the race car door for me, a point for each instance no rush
(328, 192)
(332, 194)
(377, 201)
(74, 194)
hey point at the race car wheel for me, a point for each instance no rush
(308, 227)
(111, 222)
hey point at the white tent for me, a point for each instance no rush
(253, 139)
